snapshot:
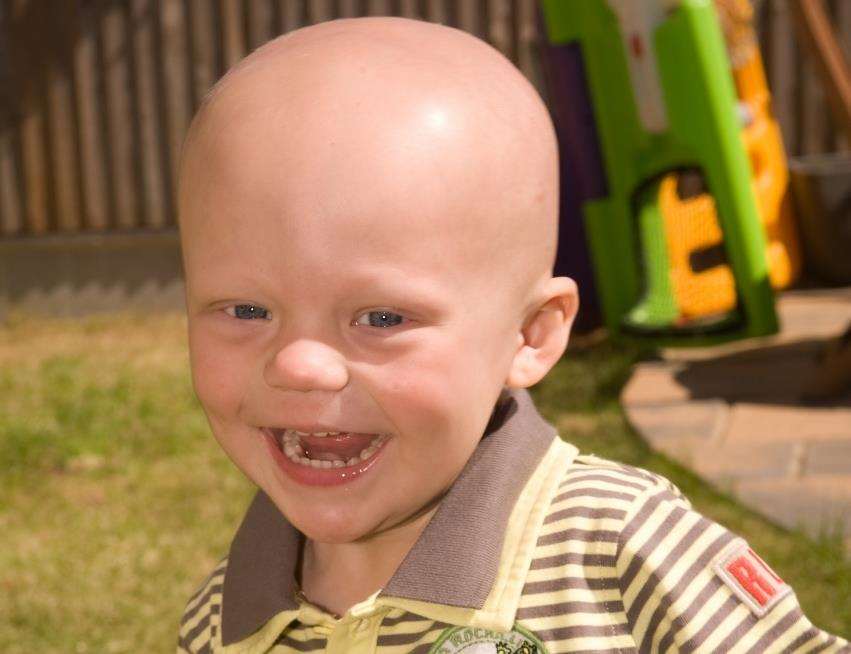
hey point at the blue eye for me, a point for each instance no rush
(248, 312)
(379, 319)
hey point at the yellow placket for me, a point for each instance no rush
(356, 632)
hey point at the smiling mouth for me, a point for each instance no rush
(326, 450)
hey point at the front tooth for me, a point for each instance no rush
(301, 433)
(293, 451)
(352, 461)
(337, 463)
(320, 434)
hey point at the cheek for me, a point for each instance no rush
(217, 377)
(434, 397)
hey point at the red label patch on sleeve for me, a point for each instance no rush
(750, 578)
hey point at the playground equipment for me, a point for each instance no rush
(678, 247)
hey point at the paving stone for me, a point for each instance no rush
(734, 415)
(653, 383)
(811, 314)
(751, 421)
(829, 457)
(680, 429)
(725, 463)
(817, 504)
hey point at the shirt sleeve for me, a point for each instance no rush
(690, 585)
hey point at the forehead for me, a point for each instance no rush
(300, 239)
(408, 192)
(332, 141)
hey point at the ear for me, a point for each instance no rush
(544, 336)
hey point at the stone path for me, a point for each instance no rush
(736, 416)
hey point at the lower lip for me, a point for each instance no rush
(310, 476)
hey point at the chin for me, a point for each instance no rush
(327, 525)
(333, 532)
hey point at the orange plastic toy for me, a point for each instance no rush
(703, 283)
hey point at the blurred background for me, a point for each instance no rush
(114, 499)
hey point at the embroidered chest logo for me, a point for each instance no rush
(475, 640)
(751, 579)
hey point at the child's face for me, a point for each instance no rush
(323, 248)
(339, 248)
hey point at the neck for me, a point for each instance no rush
(336, 576)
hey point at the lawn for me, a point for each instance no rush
(115, 501)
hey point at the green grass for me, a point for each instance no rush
(115, 501)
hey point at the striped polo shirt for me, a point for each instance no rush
(534, 549)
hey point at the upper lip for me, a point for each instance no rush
(317, 429)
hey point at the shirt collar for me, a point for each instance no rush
(449, 564)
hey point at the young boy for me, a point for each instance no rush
(368, 219)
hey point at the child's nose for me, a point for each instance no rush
(306, 365)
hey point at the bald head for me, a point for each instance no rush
(368, 224)
(356, 112)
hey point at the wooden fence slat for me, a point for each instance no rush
(469, 14)
(382, 8)
(527, 40)
(234, 36)
(409, 8)
(762, 32)
(260, 22)
(92, 165)
(499, 27)
(11, 211)
(435, 12)
(202, 30)
(319, 11)
(176, 86)
(813, 117)
(485, 19)
(35, 169)
(348, 8)
(62, 26)
(843, 28)
(143, 22)
(27, 22)
(64, 148)
(119, 117)
(293, 15)
(11, 218)
(784, 86)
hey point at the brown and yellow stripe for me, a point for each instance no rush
(199, 627)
